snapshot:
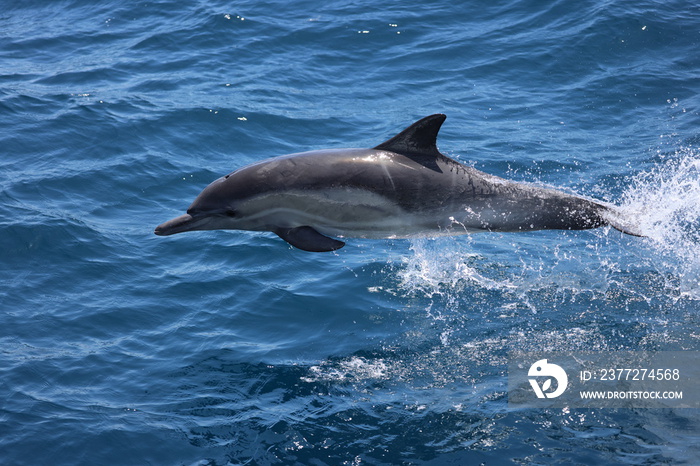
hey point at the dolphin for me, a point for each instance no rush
(402, 188)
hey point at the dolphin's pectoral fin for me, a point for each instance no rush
(308, 239)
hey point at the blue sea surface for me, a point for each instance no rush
(231, 347)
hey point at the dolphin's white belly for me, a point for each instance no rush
(345, 212)
(360, 213)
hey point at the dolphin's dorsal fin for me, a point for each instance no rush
(418, 141)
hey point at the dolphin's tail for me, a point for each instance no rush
(619, 221)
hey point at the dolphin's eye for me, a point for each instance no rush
(230, 213)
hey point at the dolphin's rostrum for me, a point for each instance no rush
(401, 188)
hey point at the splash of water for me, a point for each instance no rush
(666, 202)
(444, 264)
(514, 267)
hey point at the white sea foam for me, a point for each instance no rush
(666, 202)
(352, 369)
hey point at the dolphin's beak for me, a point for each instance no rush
(178, 225)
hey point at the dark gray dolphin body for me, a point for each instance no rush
(401, 188)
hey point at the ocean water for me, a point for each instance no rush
(216, 348)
